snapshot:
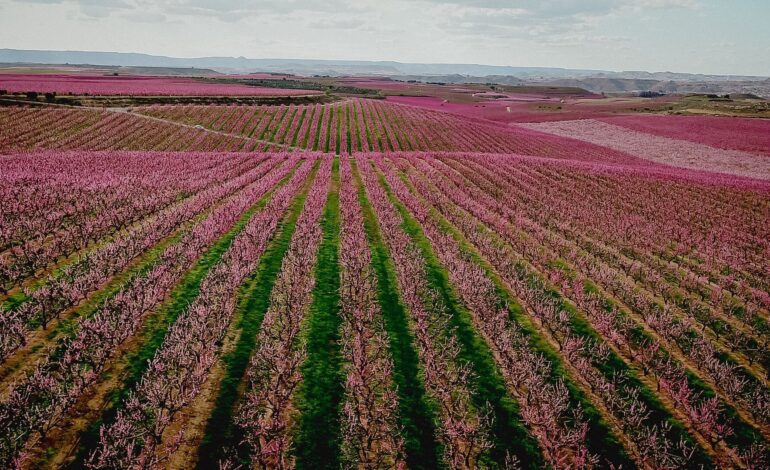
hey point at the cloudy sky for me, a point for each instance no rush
(704, 36)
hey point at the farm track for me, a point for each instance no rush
(217, 132)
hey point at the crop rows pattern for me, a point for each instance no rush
(369, 285)
(346, 127)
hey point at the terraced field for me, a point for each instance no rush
(364, 284)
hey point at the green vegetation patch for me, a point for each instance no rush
(319, 397)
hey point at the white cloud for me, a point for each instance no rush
(612, 34)
(225, 10)
(532, 18)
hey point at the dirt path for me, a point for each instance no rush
(123, 110)
(201, 128)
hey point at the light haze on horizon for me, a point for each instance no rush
(696, 36)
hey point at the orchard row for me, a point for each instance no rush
(469, 309)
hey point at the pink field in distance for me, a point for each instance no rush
(524, 107)
(133, 85)
(731, 133)
(659, 149)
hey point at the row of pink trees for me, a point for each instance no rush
(27, 128)
(265, 415)
(182, 364)
(463, 429)
(370, 422)
(66, 212)
(646, 439)
(556, 423)
(76, 281)
(514, 269)
(80, 129)
(37, 401)
(374, 125)
(680, 332)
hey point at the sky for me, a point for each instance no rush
(697, 36)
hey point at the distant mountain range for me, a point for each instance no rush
(599, 81)
(342, 67)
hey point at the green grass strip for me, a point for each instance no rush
(347, 129)
(254, 300)
(416, 417)
(319, 396)
(276, 125)
(328, 129)
(298, 127)
(508, 434)
(339, 131)
(154, 330)
(263, 134)
(317, 136)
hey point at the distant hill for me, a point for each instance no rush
(592, 80)
(28, 67)
(295, 66)
(339, 67)
(760, 88)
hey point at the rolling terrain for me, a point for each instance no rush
(428, 281)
